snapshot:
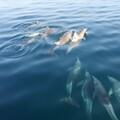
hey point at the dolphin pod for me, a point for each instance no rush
(91, 87)
(72, 37)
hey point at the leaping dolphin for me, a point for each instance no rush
(104, 98)
(115, 88)
(73, 76)
(88, 93)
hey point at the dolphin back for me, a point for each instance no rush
(112, 79)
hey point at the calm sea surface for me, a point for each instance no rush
(31, 81)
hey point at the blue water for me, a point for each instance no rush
(31, 81)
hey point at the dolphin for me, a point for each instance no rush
(35, 36)
(88, 93)
(64, 39)
(76, 39)
(104, 98)
(48, 32)
(73, 76)
(79, 36)
(115, 88)
(40, 35)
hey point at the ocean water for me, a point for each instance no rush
(31, 81)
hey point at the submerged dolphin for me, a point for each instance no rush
(104, 98)
(115, 88)
(73, 76)
(77, 37)
(88, 93)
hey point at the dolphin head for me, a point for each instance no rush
(111, 79)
